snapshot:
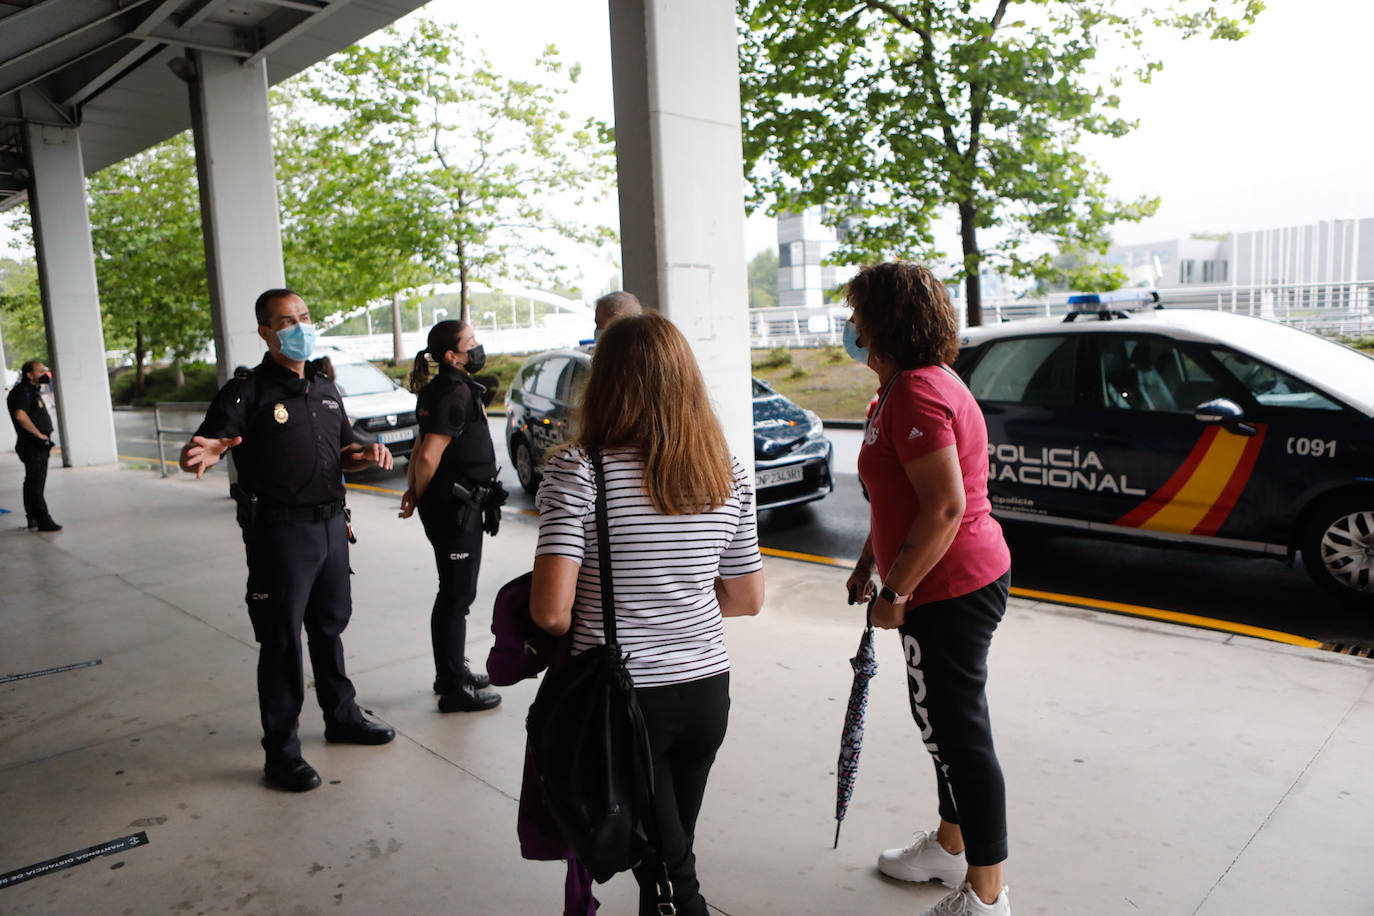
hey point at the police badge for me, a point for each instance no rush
(279, 412)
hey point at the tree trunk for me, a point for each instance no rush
(397, 349)
(463, 310)
(973, 260)
(140, 377)
(179, 372)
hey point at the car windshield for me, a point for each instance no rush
(1343, 369)
(761, 390)
(354, 379)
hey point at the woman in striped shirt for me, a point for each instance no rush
(684, 554)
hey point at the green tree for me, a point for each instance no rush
(895, 112)
(21, 314)
(446, 168)
(763, 279)
(149, 255)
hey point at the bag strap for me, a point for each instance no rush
(603, 547)
(663, 885)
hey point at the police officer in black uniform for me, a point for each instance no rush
(33, 440)
(452, 481)
(292, 442)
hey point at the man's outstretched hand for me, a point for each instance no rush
(203, 453)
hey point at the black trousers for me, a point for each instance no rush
(458, 559)
(298, 577)
(35, 459)
(946, 648)
(686, 724)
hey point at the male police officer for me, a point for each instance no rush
(292, 440)
(618, 304)
(33, 440)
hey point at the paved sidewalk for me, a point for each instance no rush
(1150, 768)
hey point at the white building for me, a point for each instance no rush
(804, 241)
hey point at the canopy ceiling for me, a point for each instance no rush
(101, 65)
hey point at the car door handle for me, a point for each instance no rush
(1112, 438)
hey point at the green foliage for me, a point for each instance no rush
(1081, 272)
(832, 354)
(150, 258)
(799, 372)
(763, 279)
(412, 160)
(161, 385)
(776, 359)
(21, 314)
(894, 111)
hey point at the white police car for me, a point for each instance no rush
(380, 409)
(1185, 426)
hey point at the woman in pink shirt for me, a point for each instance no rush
(943, 566)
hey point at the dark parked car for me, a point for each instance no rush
(792, 455)
(1194, 427)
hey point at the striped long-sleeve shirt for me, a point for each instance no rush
(667, 618)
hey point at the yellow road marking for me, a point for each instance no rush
(806, 557)
(1134, 610)
(363, 486)
(1195, 620)
(139, 460)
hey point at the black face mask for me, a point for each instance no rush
(477, 358)
(44, 379)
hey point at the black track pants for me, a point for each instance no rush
(946, 648)
(686, 724)
(458, 559)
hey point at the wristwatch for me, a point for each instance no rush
(889, 595)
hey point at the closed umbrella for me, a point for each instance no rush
(865, 665)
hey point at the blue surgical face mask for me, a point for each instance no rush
(297, 341)
(851, 344)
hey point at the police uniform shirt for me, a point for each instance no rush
(293, 429)
(26, 397)
(451, 405)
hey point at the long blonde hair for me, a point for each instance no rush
(646, 393)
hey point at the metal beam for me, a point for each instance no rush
(50, 31)
(274, 42)
(177, 41)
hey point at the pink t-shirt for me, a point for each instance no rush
(925, 410)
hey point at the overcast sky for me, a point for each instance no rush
(1269, 131)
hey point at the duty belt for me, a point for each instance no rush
(269, 514)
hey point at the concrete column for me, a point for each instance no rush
(681, 182)
(238, 200)
(71, 304)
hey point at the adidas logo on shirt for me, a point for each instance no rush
(914, 434)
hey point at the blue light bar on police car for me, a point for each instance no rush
(1090, 302)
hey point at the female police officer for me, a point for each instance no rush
(452, 480)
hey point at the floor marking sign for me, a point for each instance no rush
(19, 876)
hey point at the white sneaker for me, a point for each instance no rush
(964, 902)
(923, 860)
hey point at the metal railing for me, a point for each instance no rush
(1332, 309)
(191, 407)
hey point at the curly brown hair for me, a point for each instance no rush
(902, 311)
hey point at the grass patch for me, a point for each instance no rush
(160, 385)
(776, 358)
(837, 390)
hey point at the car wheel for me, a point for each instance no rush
(1338, 548)
(524, 466)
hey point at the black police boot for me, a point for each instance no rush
(291, 774)
(362, 732)
(469, 698)
(48, 524)
(477, 679)
(30, 524)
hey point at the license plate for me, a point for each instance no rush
(396, 435)
(772, 477)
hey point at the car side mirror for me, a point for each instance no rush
(1225, 413)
